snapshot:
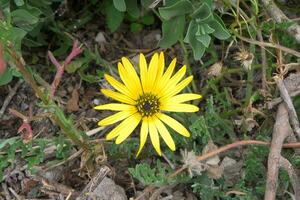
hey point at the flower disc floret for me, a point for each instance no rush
(148, 104)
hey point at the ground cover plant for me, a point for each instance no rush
(130, 99)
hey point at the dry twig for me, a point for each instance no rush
(285, 164)
(290, 107)
(279, 17)
(278, 100)
(8, 98)
(281, 131)
(263, 62)
(266, 44)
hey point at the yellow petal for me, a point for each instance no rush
(143, 135)
(154, 136)
(165, 78)
(118, 96)
(169, 70)
(118, 86)
(171, 84)
(130, 84)
(152, 71)
(164, 133)
(115, 117)
(115, 107)
(180, 86)
(131, 72)
(161, 66)
(175, 125)
(126, 132)
(125, 126)
(143, 71)
(180, 107)
(183, 98)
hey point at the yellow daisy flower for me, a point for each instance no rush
(146, 98)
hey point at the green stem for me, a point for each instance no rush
(249, 86)
(66, 126)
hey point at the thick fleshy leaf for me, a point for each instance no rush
(180, 8)
(171, 35)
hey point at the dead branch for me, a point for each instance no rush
(281, 131)
(289, 105)
(278, 100)
(280, 17)
(267, 44)
(263, 62)
(285, 164)
(7, 100)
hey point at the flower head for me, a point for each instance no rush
(145, 99)
(245, 57)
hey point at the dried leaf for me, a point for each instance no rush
(215, 172)
(194, 166)
(231, 169)
(215, 69)
(72, 104)
(208, 148)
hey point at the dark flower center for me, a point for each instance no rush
(148, 104)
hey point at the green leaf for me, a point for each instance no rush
(132, 8)
(24, 19)
(146, 3)
(19, 2)
(9, 141)
(171, 35)
(208, 29)
(120, 5)
(203, 12)
(151, 176)
(182, 7)
(6, 77)
(199, 128)
(208, 2)
(74, 65)
(136, 27)
(17, 36)
(148, 19)
(204, 39)
(220, 32)
(114, 17)
(198, 47)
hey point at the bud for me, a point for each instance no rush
(2, 62)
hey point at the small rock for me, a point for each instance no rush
(108, 190)
(100, 38)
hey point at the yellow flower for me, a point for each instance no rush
(146, 98)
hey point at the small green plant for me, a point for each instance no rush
(118, 10)
(202, 24)
(156, 175)
(200, 18)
